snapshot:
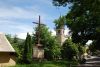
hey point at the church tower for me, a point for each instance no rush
(60, 35)
(60, 29)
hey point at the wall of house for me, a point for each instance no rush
(7, 59)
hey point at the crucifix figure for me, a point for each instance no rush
(38, 32)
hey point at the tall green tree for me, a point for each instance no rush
(45, 35)
(27, 51)
(9, 37)
(17, 44)
(83, 19)
(60, 22)
(51, 47)
(15, 39)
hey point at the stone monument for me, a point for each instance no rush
(38, 51)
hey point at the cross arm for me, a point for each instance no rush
(38, 23)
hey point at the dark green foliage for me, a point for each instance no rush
(53, 50)
(51, 47)
(81, 48)
(9, 37)
(44, 35)
(95, 45)
(60, 2)
(15, 39)
(56, 50)
(83, 19)
(59, 23)
(49, 64)
(27, 50)
(23, 48)
(17, 45)
(69, 50)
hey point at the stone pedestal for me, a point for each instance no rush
(38, 52)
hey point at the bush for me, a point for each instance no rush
(69, 50)
(53, 51)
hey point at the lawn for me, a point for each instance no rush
(48, 64)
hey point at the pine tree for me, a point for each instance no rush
(27, 52)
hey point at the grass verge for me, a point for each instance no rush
(48, 64)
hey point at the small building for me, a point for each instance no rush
(7, 57)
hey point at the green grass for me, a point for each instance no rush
(48, 64)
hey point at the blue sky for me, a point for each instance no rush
(16, 16)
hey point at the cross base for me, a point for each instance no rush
(38, 52)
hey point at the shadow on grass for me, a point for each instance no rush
(48, 64)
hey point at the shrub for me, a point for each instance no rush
(69, 50)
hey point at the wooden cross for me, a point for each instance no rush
(38, 34)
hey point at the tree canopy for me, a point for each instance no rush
(49, 43)
(60, 22)
(83, 19)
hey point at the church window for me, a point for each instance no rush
(58, 31)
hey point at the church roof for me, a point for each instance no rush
(5, 46)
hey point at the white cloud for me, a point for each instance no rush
(13, 11)
(16, 12)
(53, 32)
(66, 31)
(23, 35)
(14, 27)
(7, 16)
(29, 13)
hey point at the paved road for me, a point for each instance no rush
(93, 61)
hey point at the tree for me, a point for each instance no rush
(94, 46)
(27, 51)
(51, 47)
(81, 52)
(60, 22)
(17, 45)
(83, 19)
(9, 37)
(53, 50)
(45, 34)
(69, 50)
